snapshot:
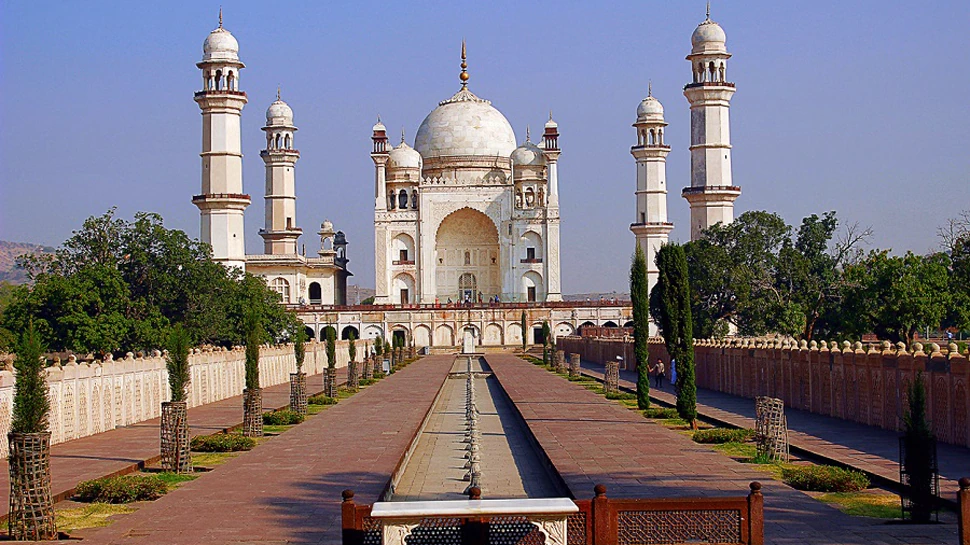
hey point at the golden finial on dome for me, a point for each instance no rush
(464, 65)
(220, 16)
(278, 92)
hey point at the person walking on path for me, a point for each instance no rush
(658, 374)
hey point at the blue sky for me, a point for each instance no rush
(859, 107)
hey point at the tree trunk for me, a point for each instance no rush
(298, 396)
(253, 412)
(175, 451)
(353, 376)
(31, 516)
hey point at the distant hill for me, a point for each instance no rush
(9, 251)
(353, 291)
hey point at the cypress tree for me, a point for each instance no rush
(677, 325)
(524, 337)
(254, 336)
(299, 348)
(545, 342)
(177, 362)
(641, 325)
(30, 404)
(331, 348)
(920, 445)
(352, 346)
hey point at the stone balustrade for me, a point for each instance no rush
(852, 381)
(90, 398)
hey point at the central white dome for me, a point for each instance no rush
(465, 125)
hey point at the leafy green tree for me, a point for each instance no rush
(896, 297)
(254, 337)
(639, 286)
(673, 285)
(30, 404)
(118, 285)
(299, 348)
(177, 362)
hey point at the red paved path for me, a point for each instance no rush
(591, 440)
(866, 448)
(121, 450)
(288, 489)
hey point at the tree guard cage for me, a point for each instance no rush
(298, 394)
(771, 428)
(919, 475)
(174, 430)
(31, 514)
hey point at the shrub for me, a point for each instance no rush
(321, 399)
(283, 417)
(661, 412)
(722, 435)
(366, 381)
(123, 489)
(822, 478)
(620, 395)
(378, 374)
(222, 442)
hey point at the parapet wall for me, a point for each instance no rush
(865, 385)
(92, 398)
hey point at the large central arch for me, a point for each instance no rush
(467, 257)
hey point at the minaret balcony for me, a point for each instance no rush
(694, 190)
(221, 200)
(652, 228)
(709, 84)
(711, 193)
(408, 262)
(662, 147)
(280, 234)
(280, 154)
(219, 92)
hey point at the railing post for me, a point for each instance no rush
(756, 515)
(603, 533)
(350, 533)
(963, 501)
(474, 531)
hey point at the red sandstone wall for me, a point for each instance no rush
(866, 386)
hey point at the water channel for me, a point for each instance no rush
(474, 436)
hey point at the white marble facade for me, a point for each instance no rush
(465, 215)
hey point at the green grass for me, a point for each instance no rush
(95, 515)
(212, 459)
(744, 451)
(276, 428)
(865, 504)
(172, 480)
(316, 409)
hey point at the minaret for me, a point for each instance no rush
(712, 192)
(651, 227)
(281, 233)
(551, 151)
(382, 261)
(222, 201)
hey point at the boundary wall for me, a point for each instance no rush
(852, 382)
(90, 398)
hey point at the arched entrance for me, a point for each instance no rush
(467, 259)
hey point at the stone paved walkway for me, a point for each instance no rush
(288, 489)
(123, 450)
(591, 440)
(866, 448)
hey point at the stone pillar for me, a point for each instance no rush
(574, 368)
(611, 379)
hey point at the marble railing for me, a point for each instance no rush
(90, 398)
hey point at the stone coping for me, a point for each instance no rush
(473, 508)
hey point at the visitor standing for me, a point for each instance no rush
(673, 374)
(658, 374)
